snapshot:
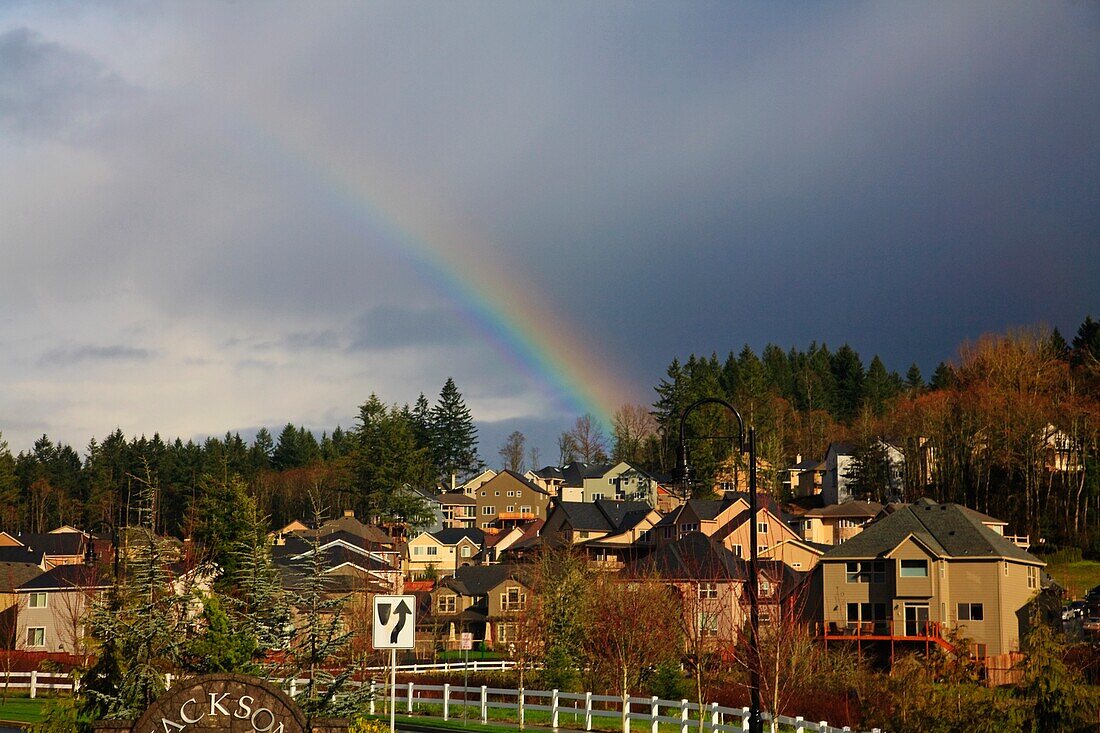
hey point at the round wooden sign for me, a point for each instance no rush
(223, 702)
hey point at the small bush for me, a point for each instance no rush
(368, 725)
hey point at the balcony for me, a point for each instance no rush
(929, 632)
(1023, 541)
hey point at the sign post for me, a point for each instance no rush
(394, 628)
(466, 644)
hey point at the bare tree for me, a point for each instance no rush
(588, 439)
(512, 451)
(636, 631)
(633, 426)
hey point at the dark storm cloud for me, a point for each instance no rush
(667, 178)
(395, 327)
(47, 89)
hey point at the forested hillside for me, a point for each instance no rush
(1010, 427)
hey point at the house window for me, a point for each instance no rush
(483, 493)
(597, 496)
(36, 636)
(488, 511)
(512, 599)
(582, 534)
(36, 600)
(446, 603)
(496, 493)
(708, 590)
(510, 508)
(417, 549)
(511, 493)
(761, 548)
(762, 527)
(465, 551)
(1032, 579)
(525, 510)
(971, 612)
(864, 612)
(846, 524)
(865, 571)
(432, 550)
(764, 588)
(708, 624)
(914, 568)
(796, 565)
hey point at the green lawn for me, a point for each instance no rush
(22, 709)
(1076, 577)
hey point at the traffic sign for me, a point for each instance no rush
(467, 641)
(394, 622)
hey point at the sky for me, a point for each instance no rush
(225, 215)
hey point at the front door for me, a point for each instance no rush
(916, 619)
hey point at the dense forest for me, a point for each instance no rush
(1010, 427)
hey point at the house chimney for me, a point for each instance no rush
(349, 513)
(454, 481)
(797, 458)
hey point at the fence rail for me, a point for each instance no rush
(649, 713)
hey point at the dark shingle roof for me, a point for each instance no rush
(14, 574)
(477, 580)
(20, 555)
(64, 577)
(604, 515)
(452, 536)
(861, 509)
(62, 543)
(947, 529)
(694, 556)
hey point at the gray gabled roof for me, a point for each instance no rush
(477, 580)
(604, 515)
(946, 529)
(857, 509)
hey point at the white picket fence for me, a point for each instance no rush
(576, 709)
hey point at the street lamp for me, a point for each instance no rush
(684, 473)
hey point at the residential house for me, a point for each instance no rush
(609, 532)
(839, 465)
(442, 552)
(53, 608)
(509, 499)
(924, 568)
(459, 509)
(63, 546)
(17, 566)
(552, 479)
(470, 486)
(835, 523)
(512, 549)
(805, 477)
(483, 600)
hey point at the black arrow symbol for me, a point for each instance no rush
(401, 612)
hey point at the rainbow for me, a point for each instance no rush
(503, 306)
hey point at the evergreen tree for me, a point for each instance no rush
(223, 510)
(1061, 700)
(943, 377)
(869, 472)
(1086, 344)
(385, 459)
(9, 487)
(914, 382)
(422, 423)
(848, 374)
(454, 436)
(287, 454)
(1057, 345)
(258, 599)
(777, 372)
(263, 447)
(879, 387)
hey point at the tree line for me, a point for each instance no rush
(364, 468)
(981, 431)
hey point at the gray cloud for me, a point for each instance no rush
(663, 178)
(389, 327)
(47, 89)
(81, 353)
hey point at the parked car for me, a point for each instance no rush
(1076, 609)
(1093, 595)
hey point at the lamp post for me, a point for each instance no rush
(684, 473)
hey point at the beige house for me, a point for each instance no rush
(509, 499)
(62, 546)
(459, 510)
(443, 552)
(609, 532)
(836, 523)
(923, 569)
(484, 601)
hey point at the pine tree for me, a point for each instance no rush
(913, 379)
(258, 598)
(849, 376)
(943, 377)
(1086, 344)
(385, 459)
(262, 449)
(454, 436)
(879, 387)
